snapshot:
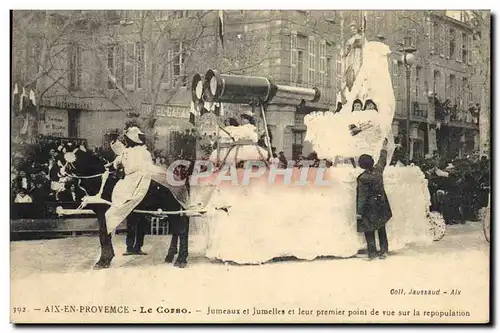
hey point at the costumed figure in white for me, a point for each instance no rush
(358, 129)
(135, 163)
(238, 143)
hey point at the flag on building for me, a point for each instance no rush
(15, 98)
(23, 100)
(32, 98)
(221, 27)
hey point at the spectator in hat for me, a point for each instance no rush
(22, 196)
(72, 193)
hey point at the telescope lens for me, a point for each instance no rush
(213, 86)
(199, 89)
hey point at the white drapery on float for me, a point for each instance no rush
(329, 132)
(266, 220)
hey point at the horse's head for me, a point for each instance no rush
(88, 169)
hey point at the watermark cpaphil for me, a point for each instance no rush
(205, 171)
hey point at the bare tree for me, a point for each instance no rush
(481, 22)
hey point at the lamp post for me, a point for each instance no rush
(408, 60)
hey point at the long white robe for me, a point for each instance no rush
(131, 190)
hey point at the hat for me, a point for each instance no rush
(133, 134)
(248, 113)
(353, 24)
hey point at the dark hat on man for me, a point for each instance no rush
(366, 162)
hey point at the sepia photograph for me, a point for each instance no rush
(250, 166)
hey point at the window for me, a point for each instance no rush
(400, 83)
(179, 61)
(167, 74)
(297, 146)
(109, 136)
(437, 84)
(293, 58)
(75, 63)
(338, 69)
(418, 70)
(322, 63)
(328, 72)
(452, 93)
(464, 94)
(139, 62)
(300, 67)
(464, 48)
(312, 62)
(442, 40)
(180, 14)
(459, 47)
(129, 66)
(408, 41)
(73, 116)
(437, 37)
(112, 65)
(452, 44)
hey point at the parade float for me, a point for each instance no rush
(256, 214)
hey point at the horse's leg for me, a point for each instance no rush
(183, 242)
(172, 250)
(107, 252)
(132, 225)
(142, 227)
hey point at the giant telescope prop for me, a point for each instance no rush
(253, 90)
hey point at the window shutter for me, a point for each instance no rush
(293, 57)
(97, 68)
(460, 45)
(119, 54)
(430, 35)
(469, 49)
(442, 48)
(129, 66)
(447, 43)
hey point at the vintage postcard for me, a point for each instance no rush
(250, 166)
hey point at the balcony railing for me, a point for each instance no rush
(420, 110)
(459, 117)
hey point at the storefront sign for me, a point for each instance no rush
(67, 104)
(166, 111)
(55, 124)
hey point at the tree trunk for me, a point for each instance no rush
(484, 115)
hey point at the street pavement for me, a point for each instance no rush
(60, 270)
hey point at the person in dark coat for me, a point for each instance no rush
(72, 193)
(372, 206)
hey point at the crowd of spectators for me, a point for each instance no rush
(38, 175)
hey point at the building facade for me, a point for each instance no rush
(106, 67)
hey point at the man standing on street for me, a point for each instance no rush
(372, 206)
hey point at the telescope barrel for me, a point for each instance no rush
(235, 88)
(297, 93)
(239, 89)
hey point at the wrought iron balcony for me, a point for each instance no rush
(419, 111)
